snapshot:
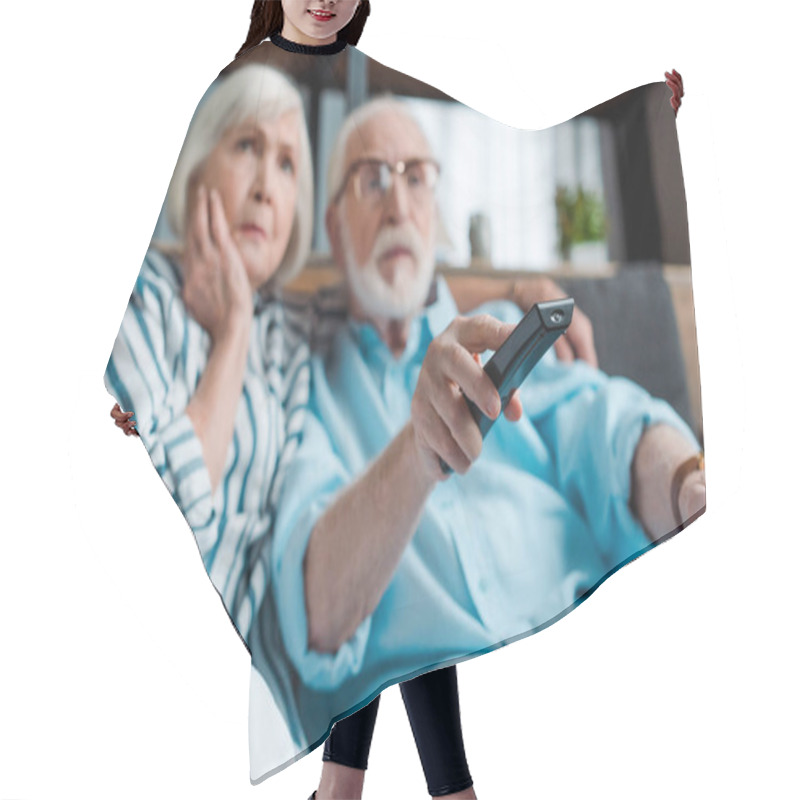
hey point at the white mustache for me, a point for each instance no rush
(390, 237)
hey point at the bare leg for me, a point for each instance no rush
(339, 782)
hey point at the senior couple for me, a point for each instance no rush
(379, 565)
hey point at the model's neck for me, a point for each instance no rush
(393, 332)
(331, 46)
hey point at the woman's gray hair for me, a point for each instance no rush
(255, 91)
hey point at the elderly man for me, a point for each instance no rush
(382, 564)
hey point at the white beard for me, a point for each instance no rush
(407, 295)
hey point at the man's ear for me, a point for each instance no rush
(333, 226)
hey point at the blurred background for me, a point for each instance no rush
(596, 202)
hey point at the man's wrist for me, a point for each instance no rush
(424, 464)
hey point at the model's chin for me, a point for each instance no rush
(258, 264)
(398, 269)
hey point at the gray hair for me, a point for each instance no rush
(363, 114)
(251, 92)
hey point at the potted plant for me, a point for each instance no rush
(581, 220)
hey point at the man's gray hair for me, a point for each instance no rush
(255, 91)
(363, 114)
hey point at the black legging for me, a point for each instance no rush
(432, 706)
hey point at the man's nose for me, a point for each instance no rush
(397, 201)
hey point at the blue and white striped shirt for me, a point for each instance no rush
(157, 361)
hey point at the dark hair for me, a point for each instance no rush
(266, 19)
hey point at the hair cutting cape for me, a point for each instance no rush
(544, 515)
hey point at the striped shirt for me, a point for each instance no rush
(156, 364)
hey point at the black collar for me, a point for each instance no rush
(316, 50)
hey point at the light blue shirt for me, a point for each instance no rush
(539, 520)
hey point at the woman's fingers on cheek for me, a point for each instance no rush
(206, 240)
(218, 227)
(200, 221)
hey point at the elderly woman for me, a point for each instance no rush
(209, 359)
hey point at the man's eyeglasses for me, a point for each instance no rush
(373, 179)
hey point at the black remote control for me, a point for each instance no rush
(535, 334)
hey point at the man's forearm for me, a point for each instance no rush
(658, 455)
(357, 544)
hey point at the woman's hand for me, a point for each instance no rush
(578, 341)
(216, 289)
(218, 294)
(675, 82)
(124, 420)
(442, 422)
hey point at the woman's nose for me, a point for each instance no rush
(264, 181)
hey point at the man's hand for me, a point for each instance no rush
(675, 83)
(124, 420)
(692, 495)
(443, 425)
(578, 341)
(659, 455)
(216, 289)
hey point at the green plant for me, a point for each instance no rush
(580, 217)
